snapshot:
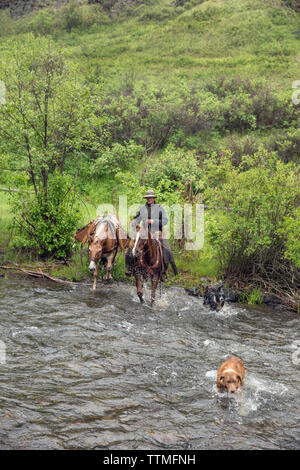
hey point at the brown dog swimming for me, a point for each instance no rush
(231, 374)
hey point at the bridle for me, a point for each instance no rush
(107, 251)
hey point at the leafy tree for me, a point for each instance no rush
(48, 119)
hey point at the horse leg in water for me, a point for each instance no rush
(139, 287)
(154, 286)
(110, 259)
(95, 276)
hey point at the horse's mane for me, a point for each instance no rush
(146, 235)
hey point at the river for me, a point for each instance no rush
(97, 370)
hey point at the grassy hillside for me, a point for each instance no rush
(157, 40)
(215, 38)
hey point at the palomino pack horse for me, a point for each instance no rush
(147, 252)
(105, 236)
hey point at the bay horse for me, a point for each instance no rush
(147, 252)
(105, 236)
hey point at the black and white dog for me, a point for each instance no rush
(214, 297)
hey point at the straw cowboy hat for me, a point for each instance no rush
(150, 193)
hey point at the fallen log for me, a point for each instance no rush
(41, 275)
(38, 274)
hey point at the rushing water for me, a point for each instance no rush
(97, 370)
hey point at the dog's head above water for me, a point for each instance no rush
(230, 375)
(230, 382)
(214, 297)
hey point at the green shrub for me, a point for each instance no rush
(287, 144)
(46, 224)
(71, 16)
(186, 114)
(118, 157)
(6, 23)
(291, 232)
(253, 209)
(42, 22)
(174, 169)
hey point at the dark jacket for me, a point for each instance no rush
(151, 211)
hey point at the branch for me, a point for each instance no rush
(39, 274)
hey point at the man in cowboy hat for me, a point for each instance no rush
(153, 217)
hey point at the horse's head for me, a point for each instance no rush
(140, 241)
(95, 252)
(96, 247)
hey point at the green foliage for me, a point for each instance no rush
(46, 225)
(186, 114)
(5, 219)
(49, 115)
(294, 4)
(10, 174)
(291, 232)
(173, 168)
(118, 157)
(47, 122)
(287, 144)
(42, 22)
(251, 212)
(71, 16)
(194, 106)
(173, 174)
(252, 296)
(6, 23)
